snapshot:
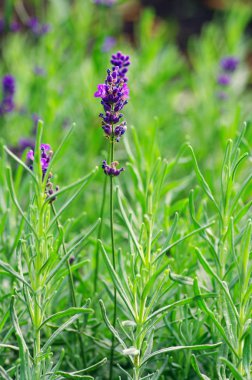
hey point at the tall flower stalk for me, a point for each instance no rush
(114, 94)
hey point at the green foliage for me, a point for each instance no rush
(182, 208)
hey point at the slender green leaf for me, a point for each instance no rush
(65, 313)
(4, 375)
(67, 255)
(182, 239)
(202, 180)
(129, 226)
(24, 352)
(116, 280)
(71, 199)
(232, 368)
(178, 348)
(15, 274)
(60, 330)
(14, 198)
(196, 368)
(210, 271)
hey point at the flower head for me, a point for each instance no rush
(229, 64)
(45, 156)
(122, 62)
(111, 170)
(8, 84)
(36, 27)
(114, 94)
(223, 80)
(15, 27)
(39, 71)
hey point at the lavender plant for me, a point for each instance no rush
(42, 254)
(142, 278)
(114, 94)
(225, 259)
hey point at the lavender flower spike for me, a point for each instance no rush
(114, 94)
(8, 85)
(223, 80)
(229, 64)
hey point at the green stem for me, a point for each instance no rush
(37, 297)
(111, 207)
(97, 253)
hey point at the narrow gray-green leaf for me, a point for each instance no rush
(60, 330)
(178, 348)
(65, 313)
(15, 274)
(116, 280)
(232, 368)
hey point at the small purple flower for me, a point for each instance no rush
(8, 84)
(15, 27)
(111, 170)
(101, 93)
(7, 106)
(45, 147)
(30, 155)
(39, 71)
(106, 3)
(122, 62)
(108, 44)
(25, 143)
(36, 28)
(229, 64)
(222, 95)
(120, 130)
(45, 158)
(223, 80)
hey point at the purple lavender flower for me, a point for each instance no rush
(120, 130)
(114, 95)
(223, 80)
(15, 27)
(108, 44)
(45, 158)
(122, 61)
(7, 105)
(22, 145)
(25, 143)
(111, 170)
(39, 71)
(106, 3)
(229, 64)
(8, 84)
(36, 28)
